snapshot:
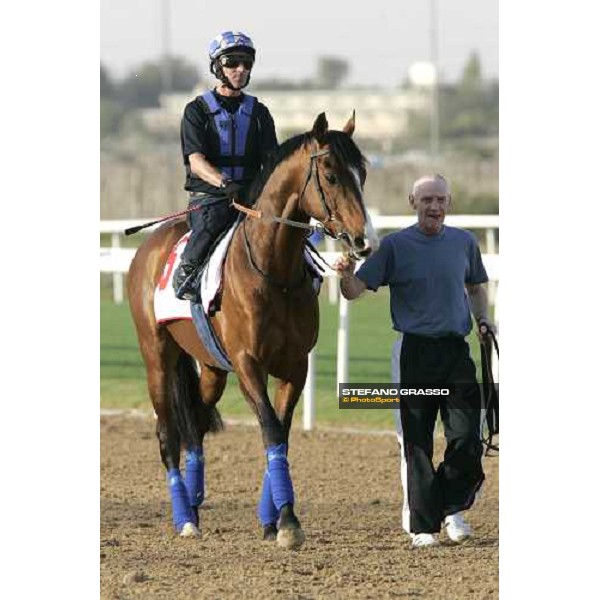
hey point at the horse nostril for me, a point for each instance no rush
(359, 242)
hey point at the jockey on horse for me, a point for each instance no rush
(226, 136)
(269, 313)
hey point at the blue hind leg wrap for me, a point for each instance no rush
(282, 490)
(182, 512)
(194, 475)
(267, 513)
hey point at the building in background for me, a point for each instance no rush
(381, 116)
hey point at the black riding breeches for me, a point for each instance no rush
(206, 224)
(431, 494)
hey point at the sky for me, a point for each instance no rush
(379, 38)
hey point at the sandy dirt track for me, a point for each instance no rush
(348, 500)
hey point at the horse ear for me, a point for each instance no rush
(320, 128)
(349, 126)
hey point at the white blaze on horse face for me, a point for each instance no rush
(371, 237)
(371, 233)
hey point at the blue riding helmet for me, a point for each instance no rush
(226, 43)
(230, 41)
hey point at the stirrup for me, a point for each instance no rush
(186, 289)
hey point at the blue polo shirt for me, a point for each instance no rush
(427, 277)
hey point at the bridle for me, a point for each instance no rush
(327, 227)
(258, 214)
(313, 173)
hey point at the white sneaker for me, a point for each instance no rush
(424, 539)
(457, 528)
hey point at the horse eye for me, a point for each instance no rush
(331, 178)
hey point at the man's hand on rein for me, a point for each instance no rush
(485, 325)
(345, 266)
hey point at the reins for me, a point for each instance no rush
(491, 401)
(313, 173)
(313, 169)
(258, 214)
(285, 288)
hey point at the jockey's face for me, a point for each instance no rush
(431, 199)
(236, 68)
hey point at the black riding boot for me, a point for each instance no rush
(206, 225)
(184, 280)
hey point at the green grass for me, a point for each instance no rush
(132, 241)
(123, 377)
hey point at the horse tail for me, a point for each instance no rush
(192, 416)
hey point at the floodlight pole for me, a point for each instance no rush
(435, 115)
(166, 73)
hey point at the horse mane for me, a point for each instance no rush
(341, 145)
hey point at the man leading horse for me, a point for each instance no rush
(428, 266)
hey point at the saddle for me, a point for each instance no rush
(209, 281)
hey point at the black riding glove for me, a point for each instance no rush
(231, 189)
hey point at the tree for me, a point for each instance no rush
(107, 87)
(111, 117)
(331, 72)
(111, 111)
(468, 113)
(471, 76)
(470, 109)
(276, 83)
(143, 86)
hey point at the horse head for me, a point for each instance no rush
(333, 188)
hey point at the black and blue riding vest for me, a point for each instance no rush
(233, 134)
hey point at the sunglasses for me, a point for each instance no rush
(232, 62)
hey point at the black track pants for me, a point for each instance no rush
(206, 224)
(432, 494)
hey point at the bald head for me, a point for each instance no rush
(429, 185)
(430, 197)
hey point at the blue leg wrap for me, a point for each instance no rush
(182, 512)
(282, 490)
(267, 513)
(194, 475)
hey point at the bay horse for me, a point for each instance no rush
(267, 324)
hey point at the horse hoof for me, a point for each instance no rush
(290, 539)
(189, 530)
(269, 533)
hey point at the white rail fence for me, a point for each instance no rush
(115, 260)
